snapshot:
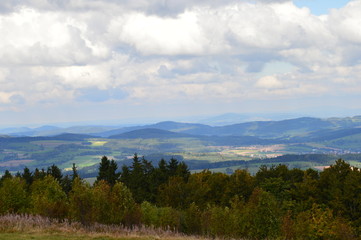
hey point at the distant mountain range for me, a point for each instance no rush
(198, 144)
(153, 133)
(147, 133)
(298, 129)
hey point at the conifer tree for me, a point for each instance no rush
(160, 174)
(103, 168)
(113, 175)
(66, 184)
(125, 175)
(136, 179)
(172, 166)
(39, 174)
(7, 174)
(107, 171)
(75, 172)
(183, 171)
(55, 172)
(27, 176)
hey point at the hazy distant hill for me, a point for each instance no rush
(330, 134)
(230, 118)
(192, 141)
(14, 130)
(25, 131)
(297, 129)
(153, 133)
(346, 122)
(275, 129)
(52, 130)
(149, 133)
(190, 128)
(63, 137)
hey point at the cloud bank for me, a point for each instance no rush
(61, 53)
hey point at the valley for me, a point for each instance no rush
(224, 149)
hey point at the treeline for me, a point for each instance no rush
(289, 159)
(275, 203)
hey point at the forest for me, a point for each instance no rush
(275, 203)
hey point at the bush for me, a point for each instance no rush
(319, 223)
(48, 198)
(122, 205)
(166, 218)
(80, 202)
(13, 196)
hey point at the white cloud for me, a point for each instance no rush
(150, 51)
(269, 82)
(345, 24)
(5, 97)
(152, 7)
(84, 76)
(3, 74)
(152, 35)
(46, 38)
(345, 21)
(252, 31)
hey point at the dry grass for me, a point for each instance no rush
(16, 226)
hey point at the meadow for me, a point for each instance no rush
(25, 227)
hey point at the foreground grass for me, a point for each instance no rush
(44, 236)
(68, 236)
(25, 227)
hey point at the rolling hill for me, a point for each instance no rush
(149, 133)
(296, 128)
(286, 129)
(197, 144)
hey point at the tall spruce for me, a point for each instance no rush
(27, 176)
(172, 166)
(108, 171)
(6, 175)
(75, 172)
(55, 172)
(39, 174)
(136, 181)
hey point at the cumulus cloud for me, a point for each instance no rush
(150, 7)
(257, 33)
(37, 38)
(343, 24)
(107, 50)
(269, 82)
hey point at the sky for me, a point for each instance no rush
(136, 60)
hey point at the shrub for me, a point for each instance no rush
(13, 196)
(122, 204)
(48, 199)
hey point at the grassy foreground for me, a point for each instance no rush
(72, 236)
(63, 236)
(26, 227)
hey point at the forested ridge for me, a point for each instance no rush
(275, 203)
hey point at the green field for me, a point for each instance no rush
(97, 142)
(86, 153)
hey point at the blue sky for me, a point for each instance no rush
(140, 61)
(320, 7)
